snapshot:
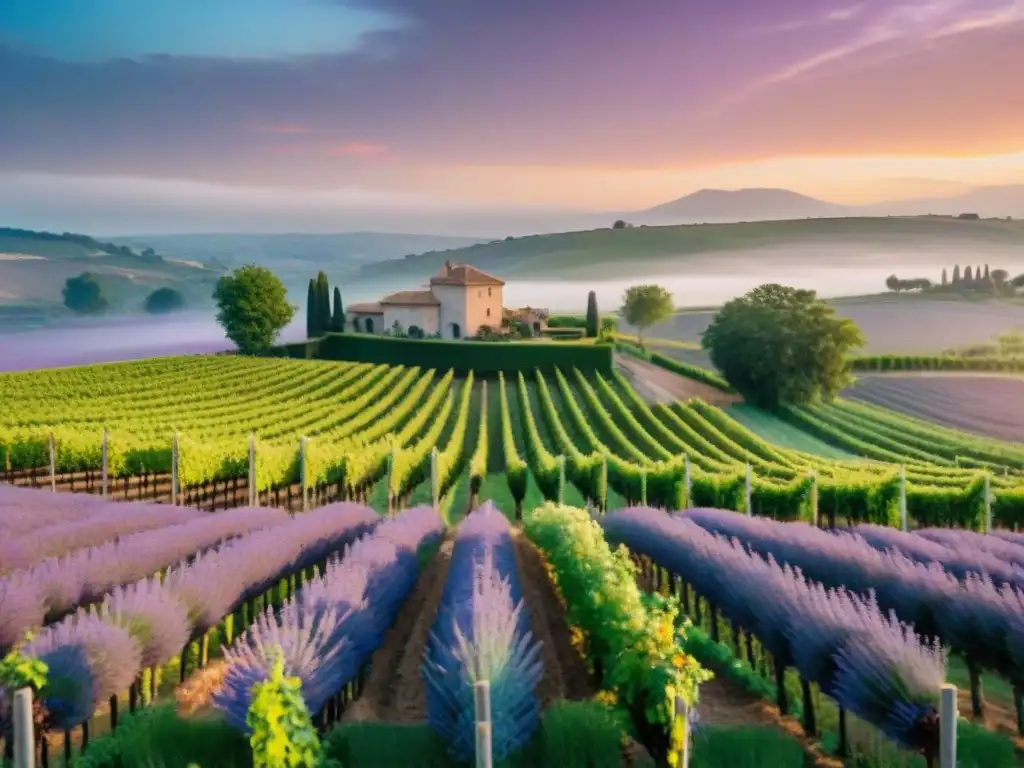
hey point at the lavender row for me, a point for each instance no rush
(22, 509)
(972, 615)
(960, 553)
(482, 632)
(56, 586)
(98, 653)
(871, 664)
(332, 626)
(105, 522)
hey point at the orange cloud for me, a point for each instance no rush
(358, 149)
(290, 128)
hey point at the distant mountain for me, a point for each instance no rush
(758, 204)
(991, 201)
(724, 206)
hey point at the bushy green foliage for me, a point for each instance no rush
(283, 735)
(252, 308)
(84, 295)
(778, 344)
(631, 639)
(646, 305)
(20, 671)
(157, 737)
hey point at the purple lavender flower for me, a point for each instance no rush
(873, 665)
(88, 661)
(481, 632)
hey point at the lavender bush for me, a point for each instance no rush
(961, 553)
(48, 591)
(334, 623)
(109, 521)
(871, 664)
(482, 632)
(88, 660)
(100, 652)
(972, 614)
(24, 509)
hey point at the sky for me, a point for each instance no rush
(211, 114)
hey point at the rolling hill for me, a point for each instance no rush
(608, 253)
(35, 265)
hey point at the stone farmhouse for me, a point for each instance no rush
(460, 300)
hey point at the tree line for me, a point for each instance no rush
(996, 282)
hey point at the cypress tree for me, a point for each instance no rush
(338, 320)
(945, 278)
(968, 275)
(593, 319)
(323, 302)
(956, 274)
(986, 272)
(311, 312)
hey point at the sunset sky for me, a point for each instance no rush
(571, 104)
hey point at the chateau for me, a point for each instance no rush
(459, 301)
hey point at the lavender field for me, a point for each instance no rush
(992, 406)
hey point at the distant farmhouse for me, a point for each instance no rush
(460, 301)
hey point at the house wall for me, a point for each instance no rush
(453, 309)
(426, 317)
(351, 317)
(483, 307)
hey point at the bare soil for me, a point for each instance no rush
(565, 672)
(395, 690)
(658, 385)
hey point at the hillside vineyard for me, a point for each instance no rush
(226, 431)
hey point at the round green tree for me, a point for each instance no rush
(646, 305)
(84, 295)
(780, 345)
(252, 307)
(163, 301)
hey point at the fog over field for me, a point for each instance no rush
(698, 281)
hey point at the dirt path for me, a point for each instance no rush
(565, 672)
(658, 385)
(395, 691)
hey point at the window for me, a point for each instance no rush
(479, 294)
(488, 311)
(488, 292)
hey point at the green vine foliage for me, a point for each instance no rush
(283, 735)
(19, 671)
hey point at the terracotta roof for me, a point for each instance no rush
(369, 308)
(463, 274)
(411, 299)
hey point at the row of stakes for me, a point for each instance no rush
(254, 496)
(24, 736)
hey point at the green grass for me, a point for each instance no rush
(783, 434)
(598, 253)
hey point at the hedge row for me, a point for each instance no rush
(695, 372)
(464, 356)
(935, 363)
